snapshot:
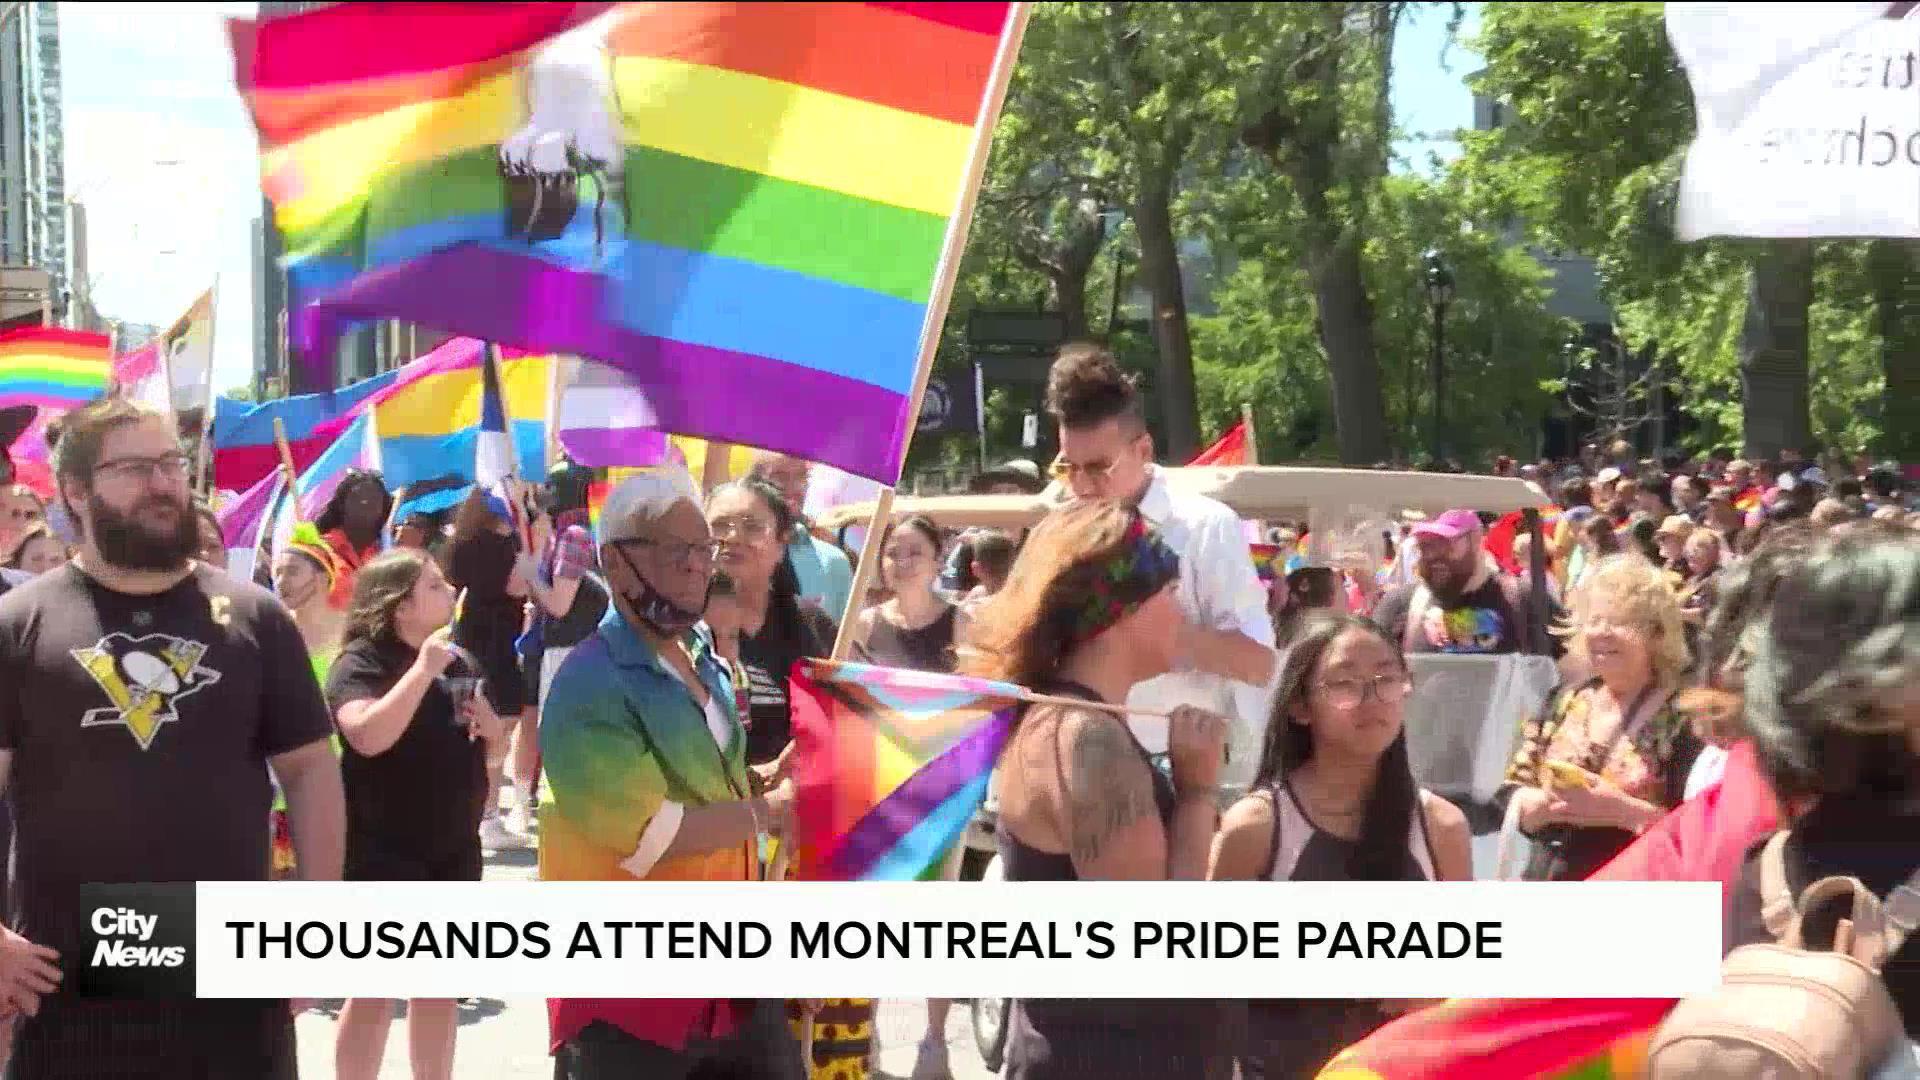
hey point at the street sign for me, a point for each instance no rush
(1019, 331)
(1030, 431)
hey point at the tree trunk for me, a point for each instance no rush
(1160, 269)
(1346, 334)
(1896, 294)
(1068, 273)
(1775, 403)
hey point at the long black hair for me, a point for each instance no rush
(783, 598)
(1381, 853)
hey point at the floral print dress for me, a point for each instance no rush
(1649, 762)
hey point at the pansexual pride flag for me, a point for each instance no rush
(1508, 1040)
(743, 206)
(52, 368)
(889, 767)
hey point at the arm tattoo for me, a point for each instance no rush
(1108, 788)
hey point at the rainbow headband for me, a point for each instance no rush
(1128, 578)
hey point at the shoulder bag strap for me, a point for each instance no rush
(1273, 849)
(1777, 906)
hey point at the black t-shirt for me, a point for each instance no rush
(767, 659)
(420, 799)
(1849, 837)
(1480, 622)
(140, 729)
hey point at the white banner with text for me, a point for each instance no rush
(903, 940)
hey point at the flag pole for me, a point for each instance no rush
(1253, 441)
(949, 269)
(522, 528)
(281, 444)
(203, 471)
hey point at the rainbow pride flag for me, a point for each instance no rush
(889, 767)
(52, 368)
(741, 205)
(1508, 1040)
(1270, 561)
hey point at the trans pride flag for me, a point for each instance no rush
(889, 766)
(743, 206)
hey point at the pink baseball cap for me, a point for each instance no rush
(1451, 525)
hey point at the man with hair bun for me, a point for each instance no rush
(1225, 660)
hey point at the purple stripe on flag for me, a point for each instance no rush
(913, 801)
(599, 447)
(240, 520)
(712, 393)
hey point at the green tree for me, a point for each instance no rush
(1601, 117)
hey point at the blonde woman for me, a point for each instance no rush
(1612, 754)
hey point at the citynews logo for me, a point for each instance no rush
(137, 941)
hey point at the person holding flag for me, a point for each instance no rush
(646, 763)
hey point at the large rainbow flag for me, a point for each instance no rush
(889, 767)
(53, 369)
(1508, 1040)
(741, 205)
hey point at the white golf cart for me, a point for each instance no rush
(1465, 712)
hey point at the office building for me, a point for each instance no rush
(33, 196)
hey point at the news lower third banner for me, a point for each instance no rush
(901, 940)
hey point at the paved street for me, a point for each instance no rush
(507, 1040)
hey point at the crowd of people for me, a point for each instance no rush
(390, 693)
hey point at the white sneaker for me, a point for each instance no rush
(932, 1063)
(494, 835)
(521, 820)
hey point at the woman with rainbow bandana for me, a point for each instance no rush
(1089, 611)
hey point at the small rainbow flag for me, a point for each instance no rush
(1508, 1040)
(53, 368)
(740, 205)
(1270, 561)
(889, 766)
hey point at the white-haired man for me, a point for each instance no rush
(646, 759)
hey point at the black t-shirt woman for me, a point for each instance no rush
(414, 766)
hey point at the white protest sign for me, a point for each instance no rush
(1809, 120)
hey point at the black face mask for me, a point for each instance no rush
(654, 608)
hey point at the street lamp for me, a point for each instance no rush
(1439, 285)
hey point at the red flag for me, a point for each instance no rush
(1230, 450)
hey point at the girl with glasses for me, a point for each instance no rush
(1334, 799)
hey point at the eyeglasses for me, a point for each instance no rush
(741, 528)
(676, 551)
(169, 467)
(1096, 471)
(1344, 694)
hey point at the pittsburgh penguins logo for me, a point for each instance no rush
(145, 678)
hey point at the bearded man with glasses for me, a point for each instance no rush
(143, 698)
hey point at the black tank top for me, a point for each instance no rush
(1066, 1039)
(929, 648)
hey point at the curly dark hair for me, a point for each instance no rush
(1086, 387)
(335, 514)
